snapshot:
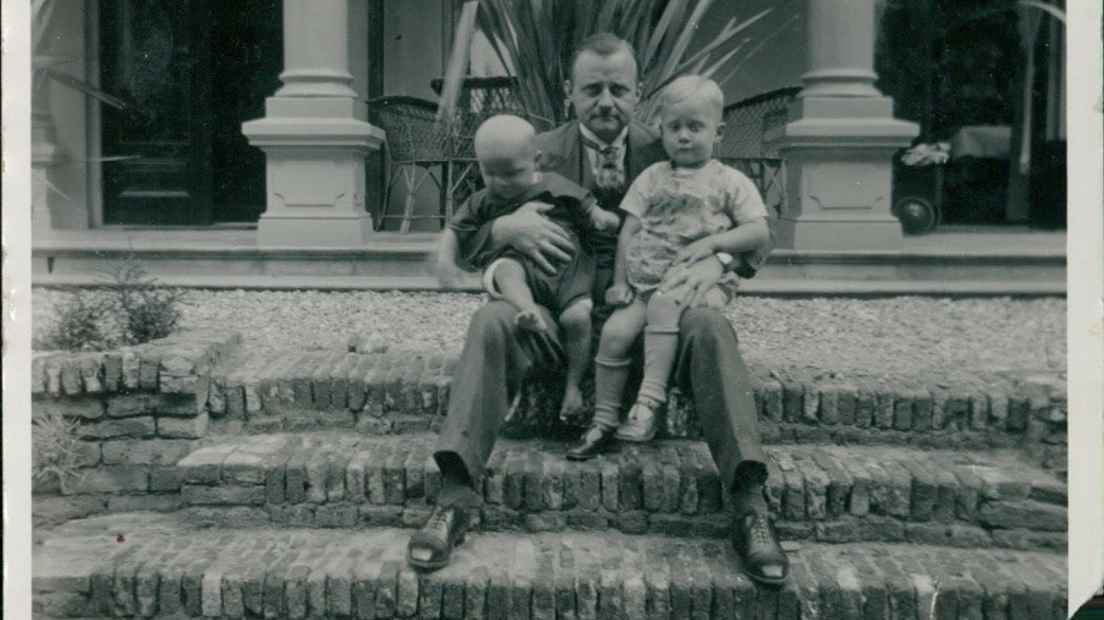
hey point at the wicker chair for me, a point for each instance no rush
(418, 150)
(746, 123)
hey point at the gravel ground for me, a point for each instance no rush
(885, 336)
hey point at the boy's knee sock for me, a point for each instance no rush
(660, 346)
(659, 357)
(610, 376)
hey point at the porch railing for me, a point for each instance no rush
(744, 147)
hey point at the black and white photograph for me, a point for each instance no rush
(554, 309)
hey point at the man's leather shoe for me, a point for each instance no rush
(757, 545)
(431, 547)
(593, 442)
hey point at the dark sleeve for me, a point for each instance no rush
(473, 232)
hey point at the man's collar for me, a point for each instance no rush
(618, 142)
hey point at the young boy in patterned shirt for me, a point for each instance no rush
(508, 163)
(679, 211)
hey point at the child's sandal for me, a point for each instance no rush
(640, 425)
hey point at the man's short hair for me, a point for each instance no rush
(604, 44)
(694, 87)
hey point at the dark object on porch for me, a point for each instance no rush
(976, 191)
(1048, 186)
(917, 196)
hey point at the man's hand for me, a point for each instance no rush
(696, 251)
(688, 283)
(448, 274)
(619, 295)
(605, 221)
(530, 232)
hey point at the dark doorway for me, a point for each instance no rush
(191, 71)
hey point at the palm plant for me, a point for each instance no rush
(541, 35)
(46, 65)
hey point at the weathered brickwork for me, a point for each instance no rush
(826, 493)
(171, 365)
(399, 392)
(164, 569)
(219, 440)
(138, 409)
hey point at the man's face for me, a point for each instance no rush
(603, 90)
(690, 129)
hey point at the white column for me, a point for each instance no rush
(841, 138)
(313, 138)
(46, 153)
(840, 35)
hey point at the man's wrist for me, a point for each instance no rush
(725, 259)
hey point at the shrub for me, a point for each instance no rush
(134, 310)
(148, 311)
(55, 450)
(77, 326)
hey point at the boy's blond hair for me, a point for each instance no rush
(694, 87)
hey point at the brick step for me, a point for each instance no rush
(825, 493)
(400, 392)
(143, 564)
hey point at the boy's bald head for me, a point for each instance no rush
(505, 136)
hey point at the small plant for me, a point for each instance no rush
(55, 450)
(148, 311)
(77, 326)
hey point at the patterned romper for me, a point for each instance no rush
(677, 206)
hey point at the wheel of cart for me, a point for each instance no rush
(917, 214)
(918, 187)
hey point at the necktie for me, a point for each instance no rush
(610, 174)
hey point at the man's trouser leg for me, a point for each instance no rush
(710, 366)
(497, 356)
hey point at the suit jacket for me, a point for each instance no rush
(562, 152)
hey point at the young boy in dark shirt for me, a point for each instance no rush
(508, 162)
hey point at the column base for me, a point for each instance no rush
(839, 176)
(818, 234)
(315, 179)
(318, 231)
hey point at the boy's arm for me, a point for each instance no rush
(748, 237)
(619, 293)
(620, 266)
(472, 246)
(751, 240)
(448, 272)
(599, 218)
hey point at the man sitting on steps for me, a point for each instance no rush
(604, 150)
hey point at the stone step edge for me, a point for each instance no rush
(490, 519)
(368, 387)
(534, 484)
(761, 286)
(161, 569)
(178, 364)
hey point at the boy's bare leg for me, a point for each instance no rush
(509, 278)
(575, 322)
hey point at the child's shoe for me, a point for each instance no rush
(640, 425)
